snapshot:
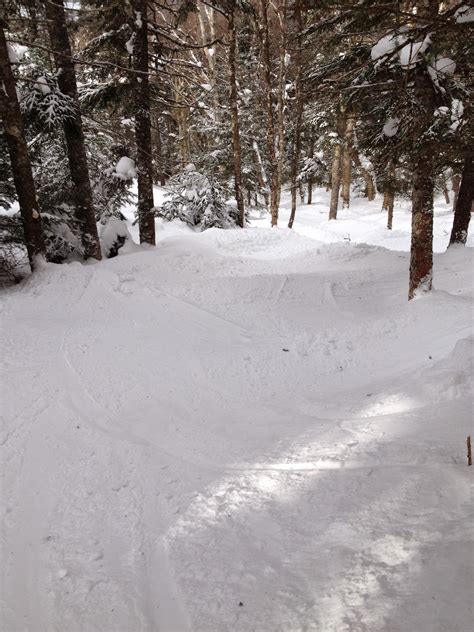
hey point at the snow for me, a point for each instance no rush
(391, 127)
(445, 65)
(125, 169)
(42, 85)
(457, 111)
(129, 44)
(464, 15)
(13, 56)
(111, 231)
(411, 53)
(384, 46)
(241, 430)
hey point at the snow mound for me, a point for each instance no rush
(125, 169)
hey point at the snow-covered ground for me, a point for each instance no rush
(245, 430)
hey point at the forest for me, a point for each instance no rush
(254, 96)
(256, 207)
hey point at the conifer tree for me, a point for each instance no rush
(73, 130)
(22, 173)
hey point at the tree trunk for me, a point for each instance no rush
(369, 181)
(336, 166)
(157, 149)
(282, 15)
(456, 182)
(271, 136)
(235, 121)
(347, 161)
(295, 162)
(19, 158)
(146, 217)
(421, 252)
(311, 155)
(446, 192)
(302, 192)
(389, 193)
(369, 185)
(261, 175)
(74, 134)
(464, 204)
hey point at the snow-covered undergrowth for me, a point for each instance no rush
(240, 431)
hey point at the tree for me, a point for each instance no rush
(271, 127)
(74, 134)
(464, 204)
(235, 119)
(421, 251)
(18, 150)
(336, 162)
(146, 216)
(299, 103)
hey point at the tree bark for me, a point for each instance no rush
(369, 181)
(446, 192)
(464, 204)
(347, 161)
(311, 155)
(390, 193)
(271, 136)
(73, 131)
(235, 120)
(295, 162)
(146, 217)
(282, 15)
(336, 166)
(456, 183)
(19, 158)
(421, 252)
(157, 149)
(261, 175)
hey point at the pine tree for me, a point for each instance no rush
(146, 216)
(73, 130)
(18, 150)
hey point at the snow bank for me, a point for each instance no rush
(239, 430)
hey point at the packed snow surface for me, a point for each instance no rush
(241, 430)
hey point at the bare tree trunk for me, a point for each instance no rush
(446, 192)
(271, 136)
(73, 131)
(311, 155)
(347, 161)
(19, 158)
(464, 204)
(370, 186)
(261, 175)
(302, 192)
(369, 181)
(421, 252)
(157, 149)
(295, 162)
(146, 217)
(389, 193)
(235, 120)
(456, 183)
(336, 166)
(282, 15)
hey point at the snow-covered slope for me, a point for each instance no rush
(238, 431)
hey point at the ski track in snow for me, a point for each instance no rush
(243, 430)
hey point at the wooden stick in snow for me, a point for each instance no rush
(469, 453)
